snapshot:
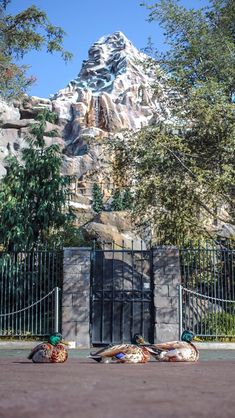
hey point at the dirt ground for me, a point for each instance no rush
(81, 388)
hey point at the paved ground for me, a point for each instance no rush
(81, 388)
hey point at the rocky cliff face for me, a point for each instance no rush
(113, 90)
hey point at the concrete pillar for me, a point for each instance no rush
(167, 275)
(76, 296)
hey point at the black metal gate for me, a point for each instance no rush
(121, 295)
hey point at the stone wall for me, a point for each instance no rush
(166, 271)
(76, 296)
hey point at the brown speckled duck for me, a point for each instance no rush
(123, 353)
(53, 351)
(175, 351)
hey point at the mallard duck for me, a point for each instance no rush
(182, 350)
(52, 351)
(123, 353)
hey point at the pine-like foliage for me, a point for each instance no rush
(33, 194)
(97, 204)
(127, 199)
(117, 201)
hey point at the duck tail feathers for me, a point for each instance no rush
(95, 357)
(153, 350)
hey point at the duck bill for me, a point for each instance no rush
(64, 342)
(197, 339)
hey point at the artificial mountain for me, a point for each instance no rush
(114, 91)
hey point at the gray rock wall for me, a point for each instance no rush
(167, 275)
(76, 296)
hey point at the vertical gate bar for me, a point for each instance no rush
(6, 268)
(12, 317)
(20, 292)
(16, 292)
(225, 289)
(201, 256)
(232, 275)
(23, 288)
(56, 313)
(222, 281)
(26, 287)
(52, 277)
(132, 288)
(9, 294)
(37, 289)
(142, 290)
(229, 296)
(122, 297)
(33, 290)
(102, 294)
(199, 263)
(48, 268)
(1, 290)
(208, 269)
(215, 284)
(92, 255)
(59, 266)
(232, 285)
(42, 293)
(182, 252)
(5, 275)
(31, 282)
(218, 257)
(123, 291)
(43, 256)
(112, 303)
(180, 291)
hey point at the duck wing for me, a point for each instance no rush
(171, 345)
(40, 352)
(174, 351)
(113, 350)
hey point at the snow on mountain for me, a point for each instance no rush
(114, 90)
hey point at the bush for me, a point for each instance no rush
(219, 324)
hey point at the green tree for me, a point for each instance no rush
(97, 204)
(127, 199)
(117, 201)
(26, 31)
(183, 168)
(33, 194)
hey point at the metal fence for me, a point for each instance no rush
(207, 291)
(29, 281)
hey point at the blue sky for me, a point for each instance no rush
(85, 21)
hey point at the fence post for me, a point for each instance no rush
(180, 294)
(56, 324)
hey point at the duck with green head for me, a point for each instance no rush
(53, 351)
(174, 351)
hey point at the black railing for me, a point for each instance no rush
(208, 288)
(27, 297)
